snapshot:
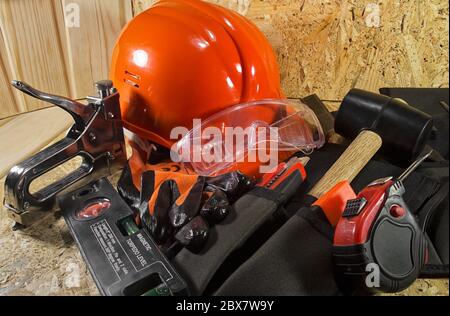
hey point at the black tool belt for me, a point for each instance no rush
(297, 258)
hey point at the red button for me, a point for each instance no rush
(397, 211)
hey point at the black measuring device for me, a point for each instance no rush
(378, 237)
(122, 258)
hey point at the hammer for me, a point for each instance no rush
(377, 122)
(403, 128)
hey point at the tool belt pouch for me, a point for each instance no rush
(434, 217)
(251, 212)
(297, 259)
(435, 210)
(294, 261)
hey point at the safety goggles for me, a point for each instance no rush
(242, 137)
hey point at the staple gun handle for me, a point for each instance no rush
(81, 113)
(17, 185)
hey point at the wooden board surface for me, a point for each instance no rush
(33, 47)
(329, 46)
(90, 46)
(28, 133)
(37, 46)
(9, 105)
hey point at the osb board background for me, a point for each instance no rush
(329, 46)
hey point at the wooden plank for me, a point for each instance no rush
(5, 120)
(60, 14)
(33, 46)
(328, 47)
(141, 5)
(40, 49)
(28, 133)
(90, 46)
(8, 105)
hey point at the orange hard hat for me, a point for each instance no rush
(187, 59)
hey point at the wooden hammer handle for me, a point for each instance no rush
(351, 162)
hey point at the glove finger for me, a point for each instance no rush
(234, 184)
(216, 207)
(128, 190)
(194, 234)
(155, 206)
(187, 193)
